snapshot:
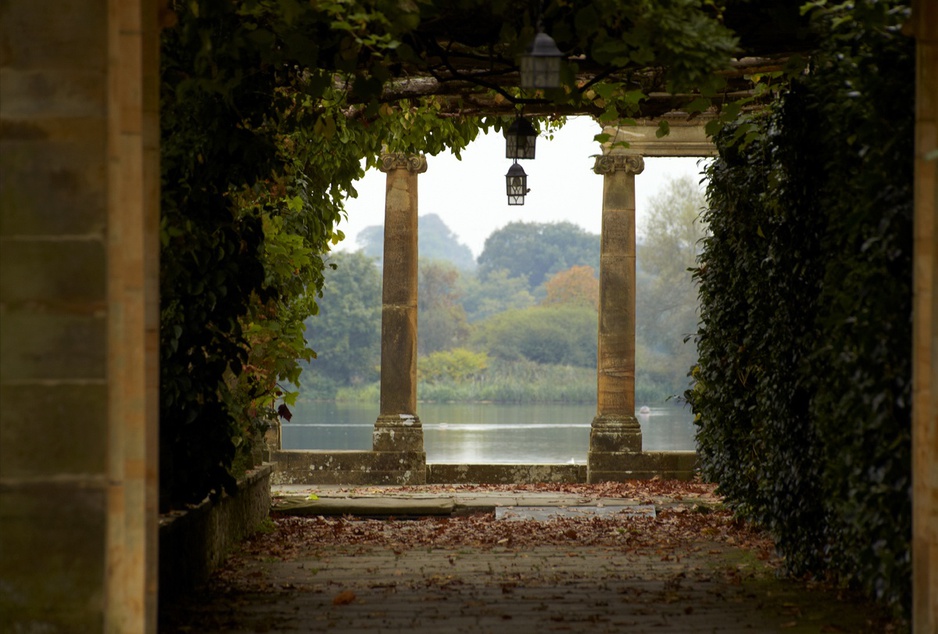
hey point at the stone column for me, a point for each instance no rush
(615, 430)
(398, 429)
(925, 326)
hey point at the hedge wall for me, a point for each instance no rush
(802, 392)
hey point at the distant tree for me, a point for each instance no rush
(576, 286)
(457, 365)
(371, 241)
(346, 333)
(495, 294)
(537, 250)
(559, 335)
(666, 298)
(441, 318)
(436, 242)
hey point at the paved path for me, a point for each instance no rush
(351, 587)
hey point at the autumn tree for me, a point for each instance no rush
(577, 286)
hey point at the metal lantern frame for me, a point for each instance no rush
(540, 65)
(520, 139)
(516, 184)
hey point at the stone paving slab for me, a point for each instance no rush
(540, 590)
(364, 507)
(381, 501)
(545, 513)
(356, 588)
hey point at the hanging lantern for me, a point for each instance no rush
(540, 66)
(520, 138)
(517, 184)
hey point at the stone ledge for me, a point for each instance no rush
(622, 466)
(195, 542)
(505, 473)
(365, 507)
(402, 468)
(349, 467)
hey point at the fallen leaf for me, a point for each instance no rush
(343, 598)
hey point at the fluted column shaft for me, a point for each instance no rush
(397, 427)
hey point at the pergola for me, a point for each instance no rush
(79, 306)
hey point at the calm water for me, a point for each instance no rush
(472, 433)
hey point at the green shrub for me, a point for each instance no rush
(457, 366)
(802, 393)
(561, 335)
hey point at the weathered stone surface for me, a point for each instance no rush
(615, 427)
(49, 346)
(47, 430)
(193, 543)
(76, 165)
(66, 274)
(623, 466)
(685, 138)
(376, 507)
(619, 438)
(52, 555)
(349, 467)
(505, 473)
(368, 467)
(75, 28)
(398, 432)
(399, 305)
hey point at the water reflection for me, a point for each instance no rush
(493, 433)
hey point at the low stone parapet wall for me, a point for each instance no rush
(393, 468)
(622, 466)
(505, 473)
(194, 542)
(349, 467)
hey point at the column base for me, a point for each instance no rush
(398, 433)
(613, 439)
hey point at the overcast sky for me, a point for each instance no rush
(469, 195)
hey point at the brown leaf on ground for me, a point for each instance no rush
(343, 598)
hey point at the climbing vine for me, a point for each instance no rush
(802, 392)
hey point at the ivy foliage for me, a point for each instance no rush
(257, 159)
(802, 392)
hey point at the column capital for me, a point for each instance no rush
(609, 163)
(416, 163)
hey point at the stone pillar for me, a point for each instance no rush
(615, 430)
(79, 315)
(398, 429)
(925, 326)
(133, 282)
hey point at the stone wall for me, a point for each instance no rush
(505, 473)
(53, 314)
(195, 542)
(348, 467)
(385, 468)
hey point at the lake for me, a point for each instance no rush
(485, 433)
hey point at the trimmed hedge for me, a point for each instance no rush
(803, 388)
